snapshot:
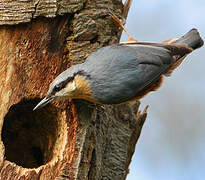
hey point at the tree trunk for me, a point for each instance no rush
(68, 140)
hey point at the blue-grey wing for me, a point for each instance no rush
(120, 72)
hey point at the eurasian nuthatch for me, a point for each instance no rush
(123, 72)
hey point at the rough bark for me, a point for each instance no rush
(69, 140)
(21, 11)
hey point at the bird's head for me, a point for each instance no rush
(69, 84)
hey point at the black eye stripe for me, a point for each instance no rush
(62, 85)
(57, 88)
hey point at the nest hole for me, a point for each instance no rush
(29, 136)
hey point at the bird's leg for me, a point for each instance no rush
(119, 24)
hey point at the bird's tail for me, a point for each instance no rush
(191, 40)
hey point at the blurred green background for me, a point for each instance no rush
(172, 143)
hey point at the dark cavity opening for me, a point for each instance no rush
(29, 136)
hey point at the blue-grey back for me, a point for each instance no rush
(119, 72)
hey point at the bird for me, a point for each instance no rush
(123, 72)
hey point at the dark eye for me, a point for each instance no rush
(61, 85)
(57, 88)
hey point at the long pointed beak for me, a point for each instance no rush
(43, 102)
